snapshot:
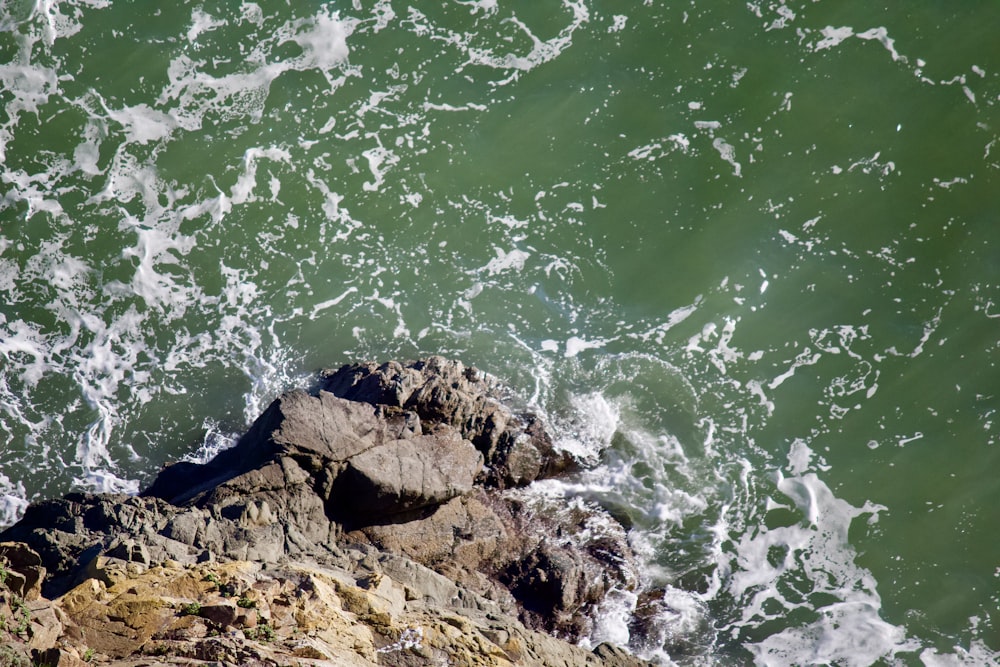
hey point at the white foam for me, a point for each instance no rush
(728, 153)
(575, 345)
(658, 333)
(512, 260)
(324, 42)
(379, 160)
(30, 85)
(469, 106)
(66, 26)
(215, 441)
(243, 190)
(848, 629)
(649, 151)
(22, 339)
(976, 655)
(591, 425)
(88, 152)
(143, 124)
(833, 36)
(511, 63)
(486, 6)
(202, 22)
(611, 619)
(881, 35)
(103, 480)
(194, 92)
(805, 358)
(155, 247)
(849, 633)
(680, 618)
(329, 303)
(722, 354)
(12, 501)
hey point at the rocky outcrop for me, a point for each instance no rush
(379, 518)
(515, 446)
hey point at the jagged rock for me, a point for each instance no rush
(307, 611)
(356, 513)
(22, 570)
(304, 427)
(516, 448)
(616, 656)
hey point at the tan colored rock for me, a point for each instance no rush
(44, 626)
(23, 570)
(309, 614)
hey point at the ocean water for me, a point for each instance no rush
(744, 257)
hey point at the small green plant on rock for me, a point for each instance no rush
(211, 577)
(9, 657)
(192, 609)
(246, 603)
(88, 655)
(158, 650)
(19, 609)
(263, 633)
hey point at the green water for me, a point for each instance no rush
(744, 256)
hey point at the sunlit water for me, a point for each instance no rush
(744, 256)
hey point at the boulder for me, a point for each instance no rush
(319, 428)
(405, 475)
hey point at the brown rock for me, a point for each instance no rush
(44, 627)
(23, 570)
(223, 613)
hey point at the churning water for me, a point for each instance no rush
(745, 257)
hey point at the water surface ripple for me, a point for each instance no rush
(742, 255)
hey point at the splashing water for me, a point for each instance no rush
(739, 256)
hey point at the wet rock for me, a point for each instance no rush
(515, 447)
(362, 515)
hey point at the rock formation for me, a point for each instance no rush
(379, 518)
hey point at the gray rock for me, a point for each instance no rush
(405, 475)
(127, 549)
(515, 447)
(403, 462)
(615, 656)
(326, 426)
